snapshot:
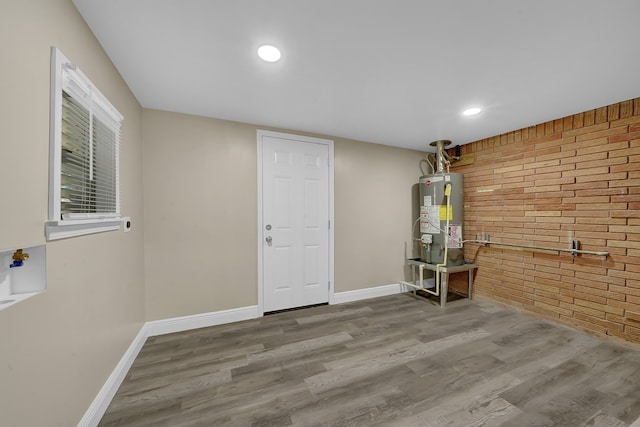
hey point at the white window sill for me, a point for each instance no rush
(55, 230)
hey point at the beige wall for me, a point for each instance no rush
(58, 348)
(200, 192)
(373, 213)
(200, 214)
(198, 253)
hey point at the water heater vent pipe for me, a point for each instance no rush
(441, 163)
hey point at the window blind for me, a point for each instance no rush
(84, 151)
(90, 138)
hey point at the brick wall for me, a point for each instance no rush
(573, 178)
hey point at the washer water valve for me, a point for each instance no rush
(19, 258)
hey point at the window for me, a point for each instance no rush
(84, 153)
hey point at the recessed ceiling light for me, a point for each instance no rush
(269, 53)
(471, 111)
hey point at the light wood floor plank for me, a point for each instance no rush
(393, 361)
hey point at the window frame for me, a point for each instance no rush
(56, 227)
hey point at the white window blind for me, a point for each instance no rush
(85, 149)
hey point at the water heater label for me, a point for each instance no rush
(443, 213)
(455, 236)
(424, 219)
(427, 201)
(435, 179)
(429, 221)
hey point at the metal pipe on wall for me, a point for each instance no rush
(542, 248)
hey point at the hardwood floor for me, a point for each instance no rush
(391, 361)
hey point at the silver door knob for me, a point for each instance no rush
(269, 240)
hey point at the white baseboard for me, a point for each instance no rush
(185, 323)
(100, 404)
(360, 294)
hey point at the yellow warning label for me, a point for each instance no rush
(443, 213)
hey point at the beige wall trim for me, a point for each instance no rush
(203, 320)
(100, 404)
(360, 294)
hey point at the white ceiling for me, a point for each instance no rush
(395, 72)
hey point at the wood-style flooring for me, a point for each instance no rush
(391, 361)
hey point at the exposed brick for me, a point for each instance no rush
(623, 336)
(589, 118)
(605, 192)
(616, 319)
(602, 133)
(632, 330)
(586, 130)
(624, 228)
(623, 152)
(625, 167)
(613, 112)
(625, 136)
(594, 321)
(618, 146)
(589, 296)
(606, 176)
(583, 309)
(540, 153)
(623, 305)
(611, 162)
(556, 298)
(626, 109)
(552, 308)
(576, 177)
(625, 183)
(586, 211)
(625, 214)
(601, 115)
(609, 221)
(580, 324)
(587, 159)
(542, 164)
(602, 206)
(600, 307)
(548, 136)
(540, 284)
(612, 293)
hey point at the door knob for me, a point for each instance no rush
(269, 240)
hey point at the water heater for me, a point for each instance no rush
(437, 204)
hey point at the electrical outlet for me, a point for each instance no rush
(126, 221)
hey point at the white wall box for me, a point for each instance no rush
(20, 282)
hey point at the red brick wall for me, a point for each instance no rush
(571, 178)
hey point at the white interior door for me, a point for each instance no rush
(295, 222)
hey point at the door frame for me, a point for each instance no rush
(300, 138)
